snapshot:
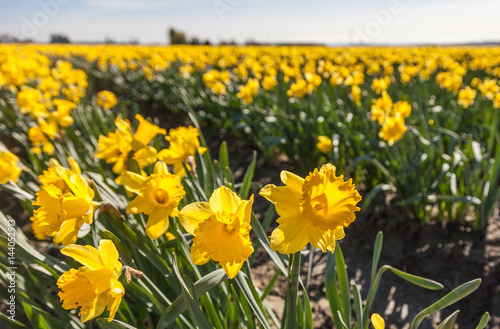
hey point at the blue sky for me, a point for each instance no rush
(324, 21)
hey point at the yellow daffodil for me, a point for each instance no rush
(158, 196)
(221, 229)
(145, 132)
(40, 141)
(62, 115)
(393, 129)
(65, 202)
(379, 85)
(325, 144)
(106, 99)
(356, 94)
(114, 147)
(52, 176)
(269, 82)
(377, 321)
(312, 210)
(184, 143)
(31, 102)
(9, 167)
(94, 287)
(466, 97)
(382, 108)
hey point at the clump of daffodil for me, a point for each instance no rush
(121, 145)
(248, 91)
(355, 94)
(9, 167)
(221, 229)
(377, 321)
(62, 113)
(466, 97)
(391, 117)
(312, 210)
(393, 129)
(379, 85)
(39, 140)
(325, 144)
(65, 204)
(94, 287)
(184, 143)
(106, 99)
(158, 196)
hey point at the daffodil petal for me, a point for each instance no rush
(157, 224)
(232, 269)
(223, 199)
(325, 239)
(292, 181)
(290, 236)
(197, 257)
(139, 204)
(85, 255)
(68, 231)
(193, 214)
(377, 321)
(244, 211)
(108, 255)
(286, 200)
(161, 168)
(132, 181)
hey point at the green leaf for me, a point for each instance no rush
(11, 323)
(247, 179)
(416, 280)
(343, 284)
(253, 299)
(377, 248)
(193, 307)
(331, 288)
(261, 235)
(358, 308)
(114, 324)
(449, 322)
(484, 321)
(201, 286)
(452, 297)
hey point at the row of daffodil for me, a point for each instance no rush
(303, 69)
(329, 90)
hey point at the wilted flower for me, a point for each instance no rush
(221, 229)
(312, 210)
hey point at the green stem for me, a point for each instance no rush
(292, 290)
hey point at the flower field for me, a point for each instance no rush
(136, 221)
